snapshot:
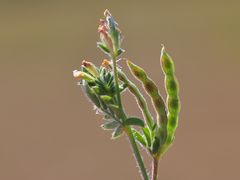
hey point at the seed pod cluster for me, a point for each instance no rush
(156, 98)
(173, 100)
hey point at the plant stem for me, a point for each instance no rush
(117, 86)
(155, 168)
(137, 153)
(127, 128)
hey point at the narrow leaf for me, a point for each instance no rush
(134, 121)
(109, 125)
(103, 48)
(139, 138)
(147, 135)
(117, 132)
(107, 117)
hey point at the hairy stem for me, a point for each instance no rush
(117, 87)
(137, 153)
(155, 168)
(128, 129)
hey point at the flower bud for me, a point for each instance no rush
(107, 13)
(82, 75)
(106, 64)
(90, 67)
(105, 36)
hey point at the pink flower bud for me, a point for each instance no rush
(110, 34)
(105, 37)
(82, 76)
(90, 67)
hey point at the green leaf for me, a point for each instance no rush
(147, 135)
(154, 126)
(117, 132)
(103, 47)
(110, 124)
(134, 121)
(107, 117)
(90, 94)
(139, 137)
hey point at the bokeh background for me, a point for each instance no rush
(48, 130)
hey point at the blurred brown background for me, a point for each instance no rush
(48, 130)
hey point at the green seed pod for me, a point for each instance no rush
(153, 92)
(139, 97)
(173, 100)
(173, 105)
(167, 63)
(172, 86)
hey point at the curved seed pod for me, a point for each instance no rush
(139, 97)
(173, 100)
(156, 98)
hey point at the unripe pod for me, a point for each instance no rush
(172, 125)
(172, 86)
(153, 92)
(173, 105)
(167, 63)
(173, 122)
(172, 89)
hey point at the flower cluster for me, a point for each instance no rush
(110, 35)
(98, 85)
